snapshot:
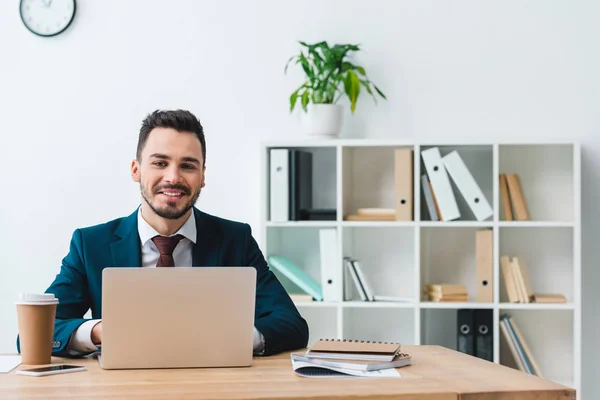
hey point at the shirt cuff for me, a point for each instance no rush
(81, 341)
(259, 342)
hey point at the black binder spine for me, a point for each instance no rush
(484, 334)
(465, 334)
(300, 193)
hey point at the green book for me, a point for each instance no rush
(297, 276)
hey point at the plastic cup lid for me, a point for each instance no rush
(30, 298)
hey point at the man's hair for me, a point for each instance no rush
(180, 120)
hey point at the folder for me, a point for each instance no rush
(428, 196)
(466, 184)
(465, 334)
(509, 279)
(508, 216)
(363, 280)
(484, 334)
(440, 182)
(517, 197)
(297, 276)
(357, 283)
(331, 272)
(484, 247)
(403, 177)
(300, 184)
(279, 185)
(523, 278)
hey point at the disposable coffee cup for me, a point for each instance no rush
(35, 317)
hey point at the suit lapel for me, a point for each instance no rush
(205, 252)
(125, 251)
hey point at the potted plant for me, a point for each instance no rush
(329, 76)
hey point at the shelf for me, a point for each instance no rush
(380, 324)
(449, 256)
(537, 306)
(545, 252)
(388, 273)
(398, 258)
(546, 173)
(549, 336)
(302, 224)
(453, 305)
(368, 178)
(535, 224)
(456, 224)
(479, 160)
(378, 224)
(316, 304)
(377, 304)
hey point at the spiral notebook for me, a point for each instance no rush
(346, 349)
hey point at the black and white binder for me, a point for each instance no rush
(484, 334)
(465, 334)
(300, 184)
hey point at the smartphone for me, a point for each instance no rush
(54, 369)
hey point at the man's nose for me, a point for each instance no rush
(172, 175)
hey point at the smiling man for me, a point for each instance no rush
(167, 230)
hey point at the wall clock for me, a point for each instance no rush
(47, 17)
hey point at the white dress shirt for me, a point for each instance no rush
(81, 341)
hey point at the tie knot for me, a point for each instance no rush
(166, 245)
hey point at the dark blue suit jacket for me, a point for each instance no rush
(220, 242)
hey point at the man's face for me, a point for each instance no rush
(170, 172)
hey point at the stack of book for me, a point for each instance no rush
(518, 346)
(446, 292)
(372, 214)
(518, 285)
(513, 199)
(335, 357)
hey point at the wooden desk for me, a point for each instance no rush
(437, 373)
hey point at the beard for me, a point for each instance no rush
(171, 210)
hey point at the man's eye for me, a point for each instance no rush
(187, 166)
(160, 163)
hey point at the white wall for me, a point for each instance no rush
(71, 106)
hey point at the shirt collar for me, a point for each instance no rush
(146, 232)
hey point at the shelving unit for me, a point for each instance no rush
(400, 257)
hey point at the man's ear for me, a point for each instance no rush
(203, 183)
(135, 171)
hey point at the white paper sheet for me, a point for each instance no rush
(8, 363)
(312, 371)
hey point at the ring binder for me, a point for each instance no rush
(354, 349)
(356, 341)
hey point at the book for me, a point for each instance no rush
(311, 370)
(345, 349)
(401, 360)
(297, 276)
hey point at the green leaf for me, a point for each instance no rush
(361, 70)
(305, 100)
(367, 86)
(380, 92)
(352, 87)
(293, 99)
(306, 66)
(355, 89)
(288, 63)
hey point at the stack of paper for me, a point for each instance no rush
(333, 357)
(446, 292)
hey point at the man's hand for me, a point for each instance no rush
(97, 334)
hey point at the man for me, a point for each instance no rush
(170, 168)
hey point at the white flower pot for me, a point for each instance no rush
(324, 120)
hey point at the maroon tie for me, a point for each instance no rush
(165, 246)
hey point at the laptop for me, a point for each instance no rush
(181, 317)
